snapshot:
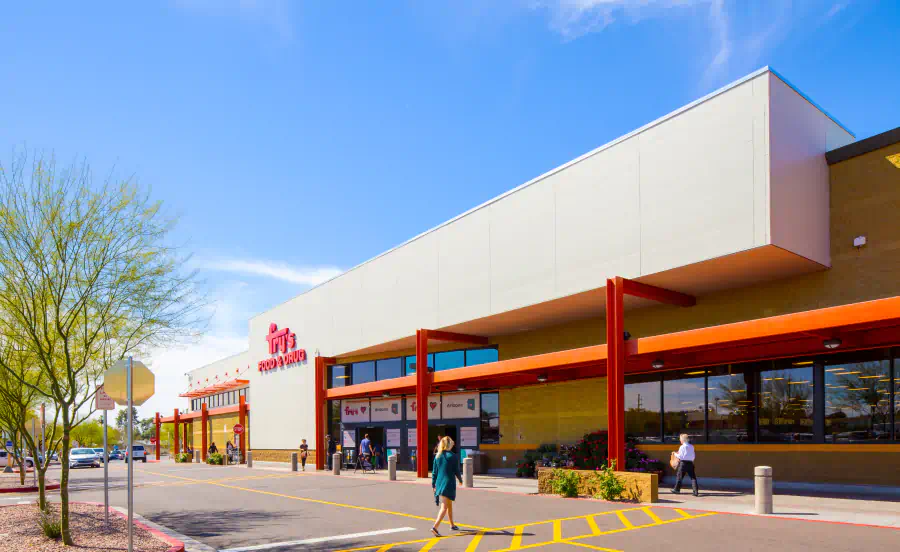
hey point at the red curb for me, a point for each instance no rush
(52, 487)
(175, 544)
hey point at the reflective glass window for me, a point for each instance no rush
(642, 405)
(490, 418)
(411, 364)
(896, 398)
(449, 360)
(786, 402)
(339, 376)
(731, 404)
(684, 402)
(389, 368)
(857, 398)
(362, 372)
(481, 356)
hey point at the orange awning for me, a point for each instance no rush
(215, 388)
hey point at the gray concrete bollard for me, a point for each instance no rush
(468, 472)
(392, 468)
(336, 463)
(249, 458)
(196, 456)
(762, 476)
(293, 461)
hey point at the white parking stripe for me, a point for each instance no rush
(317, 540)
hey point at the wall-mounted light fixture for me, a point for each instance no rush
(542, 378)
(832, 343)
(386, 394)
(461, 388)
(657, 364)
(859, 241)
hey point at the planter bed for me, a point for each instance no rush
(9, 483)
(19, 530)
(639, 487)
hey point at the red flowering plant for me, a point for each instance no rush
(590, 453)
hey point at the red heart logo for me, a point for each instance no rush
(363, 408)
(433, 405)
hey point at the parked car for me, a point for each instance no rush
(4, 460)
(82, 457)
(99, 452)
(139, 453)
(116, 455)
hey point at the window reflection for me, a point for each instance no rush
(449, 360)
(857, 399)
(642, 401)
(339, 376)
(731, 404)
(684, 399)
(786, 403)
(490, 418)
(363, 372)
(389, 368)
(481, 356)
(411, 364)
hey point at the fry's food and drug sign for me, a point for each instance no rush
(280, 343)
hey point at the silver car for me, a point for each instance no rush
(83, 457)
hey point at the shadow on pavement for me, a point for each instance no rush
(213, 523)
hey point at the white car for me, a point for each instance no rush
(4, 460)
(139, 453)
(82, 457)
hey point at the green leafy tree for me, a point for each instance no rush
(86, 278)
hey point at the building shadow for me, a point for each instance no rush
(200, 524)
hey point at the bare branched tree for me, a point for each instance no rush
(86, 278)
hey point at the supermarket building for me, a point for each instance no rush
(729, 271)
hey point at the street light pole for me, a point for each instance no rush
(130, 460)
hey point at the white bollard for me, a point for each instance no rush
(196, 456)
(293, 461)
(468, 472)
(336, 463)
(762, 476)
(249, 458)
(392, 468)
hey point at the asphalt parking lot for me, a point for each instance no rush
(236, 509)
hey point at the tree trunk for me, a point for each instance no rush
(64, 486)
(42, 490)
(21, 462)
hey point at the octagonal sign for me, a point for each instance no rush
(143, 384)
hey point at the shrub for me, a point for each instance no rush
(609, 487)
(565, 482)
(50, 524)
(637, 460)
(215, 459)
(184, 457)
(590, 453)
(525, 468)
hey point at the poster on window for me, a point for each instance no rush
(468, 436)
(434, 407)
(348, 440)
(411, 437)
(386, 410)
(355, 411)
(393, 438)
(461, 405)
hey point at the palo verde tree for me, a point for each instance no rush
(86, 278)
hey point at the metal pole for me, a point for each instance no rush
(34, 461)
(105, 472)
(44, 445)
(130, 457)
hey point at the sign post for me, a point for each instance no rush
(105, 403)
(238, 431)
(130, 383)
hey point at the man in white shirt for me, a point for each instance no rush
(686, 457)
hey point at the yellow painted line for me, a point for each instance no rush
(557, 531)
(429, 545)
(592, 524)
(385, 548)
(682, 513)
(517, 538)
(380, 547)
(652, 516)
(625, 521)
(591, 546)
(476, 540)
(316, 501)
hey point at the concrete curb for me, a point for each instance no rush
(187, 543)
(51, 487)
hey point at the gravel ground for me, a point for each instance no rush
(11, 481)
(19, 530)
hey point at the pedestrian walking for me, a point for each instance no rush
(686, 457)
(213, 448)
(365, 449)
(304, 454)
(331, 447)
(444, 476)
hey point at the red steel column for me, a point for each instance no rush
(204, 419)
(184, 442)
(158, 443)
(423, 386)
(242, 419)
(319, 442)
(615, 371)
(175, 434)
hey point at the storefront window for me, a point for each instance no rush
(642, 402)
(786, 402)
(389, 368)
(896, 397)
(481, 356)
(449, 360)
(490, 418)
(684, 401)
(362, 372)
(731, 407)
(334, 419)
(857, 398)
(411, 364)
(339, 376)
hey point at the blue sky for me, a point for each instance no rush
(298, 139)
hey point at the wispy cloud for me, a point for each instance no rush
(835, 9)
(303, 275)
(271, 14)
(718, 22)
(576, 18)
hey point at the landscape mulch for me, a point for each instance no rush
(11, 481)
(20, 530)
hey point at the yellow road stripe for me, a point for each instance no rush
(557, 530)
(316, 501)
(476, 540)
(428, 546)
(652, 516)
(517, 538)
(625, 521)
(385, 548)
(592, 524)
(682, 513)
(591, 546)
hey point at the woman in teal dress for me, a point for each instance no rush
(443, 480)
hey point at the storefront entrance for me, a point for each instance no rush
(376, 436)
(435, 433)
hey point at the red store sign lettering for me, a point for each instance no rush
(280, 343)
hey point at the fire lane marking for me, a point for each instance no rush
(317, 540)
(625, 521)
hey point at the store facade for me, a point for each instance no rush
(727, 271)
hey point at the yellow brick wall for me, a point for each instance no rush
(552, 413)
(216, 431)
(282, 455)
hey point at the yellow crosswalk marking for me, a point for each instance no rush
(476, 540)
(591, 546)
(557, 531)
(592, 523)
(624, 520)
(683, 514)
(428, 545)
(651, 515)
(517, 538)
